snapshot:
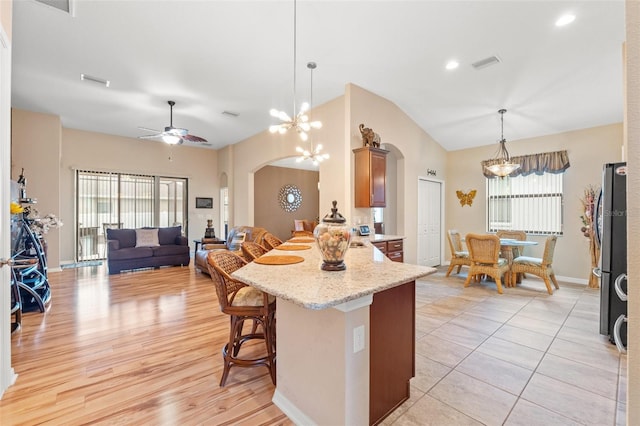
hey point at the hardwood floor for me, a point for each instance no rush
(135, 348)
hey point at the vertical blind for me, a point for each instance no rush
(118, 200)
(531, 203)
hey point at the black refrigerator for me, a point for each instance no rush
(611, 229)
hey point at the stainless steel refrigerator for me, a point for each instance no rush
(611, 232)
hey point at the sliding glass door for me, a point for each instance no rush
(118, 200)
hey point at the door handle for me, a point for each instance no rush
(597, 272)
(616, 333)
(617, 284)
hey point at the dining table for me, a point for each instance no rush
(507, 246)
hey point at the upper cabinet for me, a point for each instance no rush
(370, 176)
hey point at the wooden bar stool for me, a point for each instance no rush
(241, 303)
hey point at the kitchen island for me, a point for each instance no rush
(345, 339)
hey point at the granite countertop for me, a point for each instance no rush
(305, 284)
(383, 237)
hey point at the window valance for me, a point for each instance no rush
(545, 162)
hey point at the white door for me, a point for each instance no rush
(429, 222)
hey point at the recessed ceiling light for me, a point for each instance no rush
(565, 20)
(452, 65)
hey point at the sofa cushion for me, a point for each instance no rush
(127, 237)
(169, 250)
(168, 235)
(147, 237)
(131, 253)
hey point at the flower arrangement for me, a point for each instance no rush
(588, 228)
(16, 208)
(42, 225)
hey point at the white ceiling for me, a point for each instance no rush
(214, 56)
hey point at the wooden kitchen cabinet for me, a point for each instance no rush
(393, 249)
(370, 177)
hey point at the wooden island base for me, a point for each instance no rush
(320, 380)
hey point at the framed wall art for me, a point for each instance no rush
(204, 203)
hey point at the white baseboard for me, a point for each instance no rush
(290, 410)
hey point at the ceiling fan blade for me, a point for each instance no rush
(156, 136)
(146, 129)
(193, 138)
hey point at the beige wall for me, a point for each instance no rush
(414, 151)
(6, 13)
(269, 214)
(39, 138)
(36, 147)
(588, 150)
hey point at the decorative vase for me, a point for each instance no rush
(333, 236)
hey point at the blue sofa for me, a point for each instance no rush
(125, 252)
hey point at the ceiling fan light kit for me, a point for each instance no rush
(173, 135)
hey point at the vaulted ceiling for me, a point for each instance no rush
(219, 59)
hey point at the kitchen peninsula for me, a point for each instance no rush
(345, 339)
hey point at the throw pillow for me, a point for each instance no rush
(147, 237)
(236, 241)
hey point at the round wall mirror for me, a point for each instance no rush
(290, 198)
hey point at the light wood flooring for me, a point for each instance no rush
(135, 348)
(143, 348)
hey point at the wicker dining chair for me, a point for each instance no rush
(242, 302)
(251, 250)
(459, 256)
(540, 267)
(484, 251)
(516, 235)
(271, 241)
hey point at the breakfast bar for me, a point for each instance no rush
(345, 339)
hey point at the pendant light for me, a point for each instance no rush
(300, 121)
(502, 162)
(312, 154)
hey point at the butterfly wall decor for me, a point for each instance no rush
(466, 198)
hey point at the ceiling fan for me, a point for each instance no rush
(172, 135)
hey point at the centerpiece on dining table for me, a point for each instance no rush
(333, 236)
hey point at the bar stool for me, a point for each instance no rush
(242, 302)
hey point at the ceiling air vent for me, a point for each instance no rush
(63, 5)
(486, 62)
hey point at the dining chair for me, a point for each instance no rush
(252, 250)
(484, 251)
(459, 256)
(541, 267)
(271, 241)
(242, 302)
(516, 235)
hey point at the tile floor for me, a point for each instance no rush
(521, 358)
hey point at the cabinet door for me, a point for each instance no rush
(378, 178)
(370, 177)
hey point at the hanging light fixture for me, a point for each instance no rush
(502, 163)
(313, 154)
(300, 121)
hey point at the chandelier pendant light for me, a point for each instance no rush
(298, 121)
(502, 163)
(313, 154)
